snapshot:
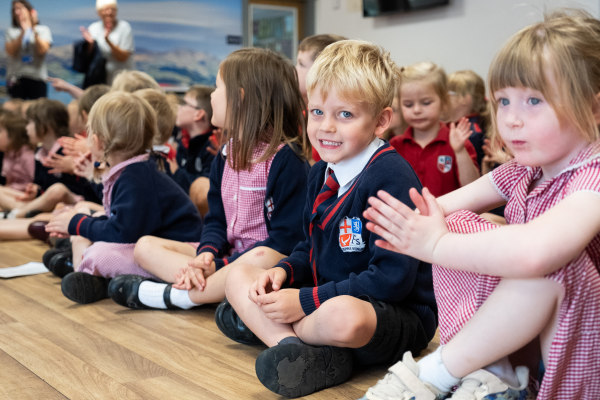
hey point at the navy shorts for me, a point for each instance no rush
(399, 329)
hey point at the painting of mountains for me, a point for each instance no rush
(179, 43)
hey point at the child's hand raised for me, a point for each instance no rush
(268, 281)
(411, 232)
(282, 306)
(459, 133)
(74, 146)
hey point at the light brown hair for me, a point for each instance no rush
(467, 82)
(428, 73)
(357, 70)
(165, 116)
(49, 115)
(201, 94)
(90, 95)
(15, 128)
(565, 47)
(124, 123)
(264, 105)
(316, 43)
(130, 81)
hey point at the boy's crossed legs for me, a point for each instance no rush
(309, 353)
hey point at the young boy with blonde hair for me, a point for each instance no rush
(338, 299)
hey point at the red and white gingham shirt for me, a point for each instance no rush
(573, 370)
(243, 195)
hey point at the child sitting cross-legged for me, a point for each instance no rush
(138, 199)
(338, 299)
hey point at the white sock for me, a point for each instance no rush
(181, 298)
(151, 294)
(504, 371)
(433, 371)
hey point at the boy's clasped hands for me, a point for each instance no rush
(412, 232)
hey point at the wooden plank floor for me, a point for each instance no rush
(52, 348)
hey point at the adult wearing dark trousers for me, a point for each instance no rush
(26, 43)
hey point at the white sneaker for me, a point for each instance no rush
(402, 383)
(483, 385)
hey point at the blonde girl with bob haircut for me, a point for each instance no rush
(138, 199)
(257, 187)
(440, 153)
(536, 280)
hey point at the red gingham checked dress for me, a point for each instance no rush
(573, 370)
(243, 195)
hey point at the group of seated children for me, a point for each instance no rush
(353, 262)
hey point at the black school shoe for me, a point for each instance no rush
(298, 369)
(123, 289)
(61, 263)
(232, 325)
(62, 245)
(84, 288)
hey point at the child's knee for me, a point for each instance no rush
(142, 246)
(239, 277)
(349, 324)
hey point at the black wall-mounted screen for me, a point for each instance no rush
(373, 8)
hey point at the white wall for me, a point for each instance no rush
(462, 35)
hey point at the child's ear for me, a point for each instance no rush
(199, 115)
(96, 142)
(596, 108)
(383, 121)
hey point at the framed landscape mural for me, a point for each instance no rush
(179, 43)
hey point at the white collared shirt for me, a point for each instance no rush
(346, 171)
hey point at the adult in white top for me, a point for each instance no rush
(113, 37)
(26, 43)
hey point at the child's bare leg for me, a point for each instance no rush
(214, 292)
(342, 321)
(515, 313)
(15, 229)
(199, 194)
(236, 289)
(162, 257)
(57, 193)
(8, 198)
(79, 244)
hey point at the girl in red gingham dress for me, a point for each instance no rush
(257, 189)
(537, 278)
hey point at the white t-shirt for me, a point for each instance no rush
(27, 63)
(122, 37)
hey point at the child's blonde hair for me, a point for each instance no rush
(564, 47)
(264, 105)
(467, 82)
(357, 70)
(124, 123)
(15, 128)
(131, 80)
(316, 43)
(90, 95)
(48, 115)
(165, 116)
(428, 73)
(202, 95)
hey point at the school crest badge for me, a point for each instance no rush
(444, 164)
(270, 207)
(350, 237)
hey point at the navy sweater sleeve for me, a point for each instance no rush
(286, 187)
(214, 233)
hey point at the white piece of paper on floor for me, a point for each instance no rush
(31, 268)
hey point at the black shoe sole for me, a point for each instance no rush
(84, 288)
(295, 370)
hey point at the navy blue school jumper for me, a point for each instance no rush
(286, 186)
(194, 162)
(144, 201)
(340, 257)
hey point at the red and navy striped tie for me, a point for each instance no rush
(326, 195)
